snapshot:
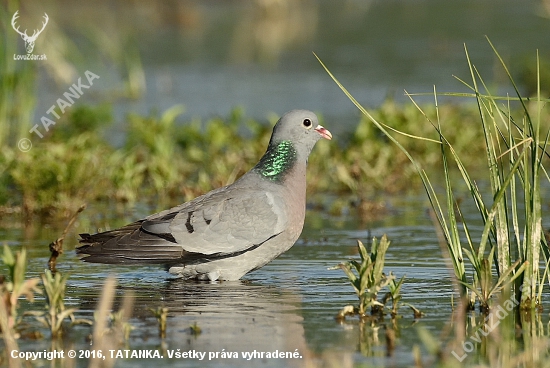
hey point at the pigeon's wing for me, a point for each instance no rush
(223, 222)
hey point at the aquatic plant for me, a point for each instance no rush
(515, 149)
(395, 295)
(161, 314)
(16, 285)
(194, 329)
(368, 278)
(56, 312)
(515, 153)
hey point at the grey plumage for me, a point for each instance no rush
(229, 231)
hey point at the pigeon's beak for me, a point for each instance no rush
(324, 132)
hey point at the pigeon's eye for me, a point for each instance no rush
(307, 123)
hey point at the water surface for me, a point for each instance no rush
(288, 305)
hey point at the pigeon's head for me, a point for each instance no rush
(292, 140)
(301, 128)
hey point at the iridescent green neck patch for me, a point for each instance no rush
(277, 161)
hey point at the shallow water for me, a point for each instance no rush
(287, 305)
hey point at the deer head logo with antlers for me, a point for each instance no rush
(29, 40)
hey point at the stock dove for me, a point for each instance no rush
(230, 231)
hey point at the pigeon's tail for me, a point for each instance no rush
(129, 245)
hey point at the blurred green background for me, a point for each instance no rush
(182, 82)
(211, 55)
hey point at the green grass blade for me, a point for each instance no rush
(498, 198)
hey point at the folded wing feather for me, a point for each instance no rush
(216, 224)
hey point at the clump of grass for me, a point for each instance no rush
(368, 278)
(515, 152)
(515, 149)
